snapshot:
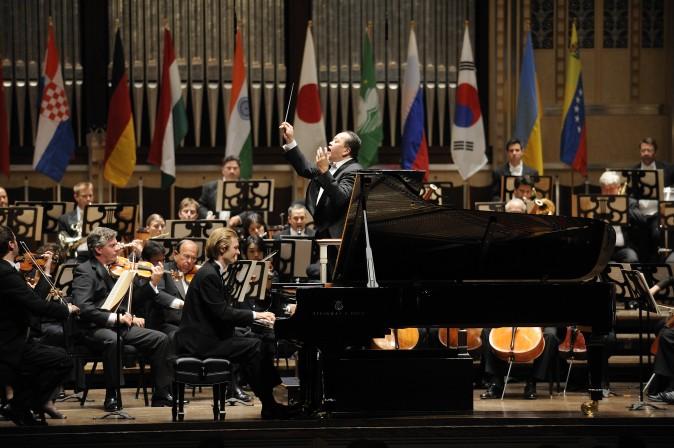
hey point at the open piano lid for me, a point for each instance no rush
(416, 241)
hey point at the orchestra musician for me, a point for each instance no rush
(33, 369)
(514, 167)
(207, 328)
(623, 252)
(170, 288)
(187, 209)
(91, 285)
(231, 171)
(662, 387)
(4, 199)
(155, 224)
(70, 223)
(297, 221)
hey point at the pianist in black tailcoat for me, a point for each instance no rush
(332, 178)
(207, 328)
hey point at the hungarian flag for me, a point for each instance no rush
(239, 137)
(55, 142)
(414, 146)
(309, 127)
(120, 139)
(573, 148)
(171, 125)
(369, 127)
(4, 130)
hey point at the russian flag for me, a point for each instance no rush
(414, 146)
(55, 142)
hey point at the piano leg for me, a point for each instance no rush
(309, 372)
(596, 351)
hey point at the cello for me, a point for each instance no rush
(398, 339)
(473, 339)
(517, 344)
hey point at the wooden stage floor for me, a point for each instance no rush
(547, 422)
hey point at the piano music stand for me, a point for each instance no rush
(636, 282)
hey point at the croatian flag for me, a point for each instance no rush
(468, 143)
(55, 141)
(414, 146)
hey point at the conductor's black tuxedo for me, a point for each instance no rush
(330, 212)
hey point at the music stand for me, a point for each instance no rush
(667, 219)
(636, 282)
(294, 257)
(612, 209)
(642, 184)
(239, 195)
(116, 216)
(491, 206)
(25, 222)
(437, 192)
(200, 228)
(52, 211)
(542, 184)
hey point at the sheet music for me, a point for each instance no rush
(251, 280)
(118, 292)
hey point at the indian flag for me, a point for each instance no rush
(239, 137)
(171, 125)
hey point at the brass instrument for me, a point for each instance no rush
(70, 243)
(542, 206)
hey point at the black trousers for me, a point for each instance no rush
(664, 358)
(248, 353)
(42, 369)
(151, 343)
(498, 368)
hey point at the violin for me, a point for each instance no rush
(28, 262)
(186, 276)
(517, 344)
(473, 339)
(398, 339)
(143, 268)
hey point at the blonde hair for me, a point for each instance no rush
(79, 186)
(219, 241)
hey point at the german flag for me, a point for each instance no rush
(120, 141)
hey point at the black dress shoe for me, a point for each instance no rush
(236, 393)
(111, 404)
(159, 401)
(278, 411)
(20, 418)
(530, 391)
(494, 391)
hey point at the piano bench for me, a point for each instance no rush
(215, 372)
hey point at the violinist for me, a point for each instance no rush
(33, 369)
(171, 287)
(187, 209)
(91, 285)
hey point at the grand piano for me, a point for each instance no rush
(438, 267)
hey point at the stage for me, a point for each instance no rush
(548, 421)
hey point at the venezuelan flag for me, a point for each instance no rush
(573, 149)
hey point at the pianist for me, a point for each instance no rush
(209, 320)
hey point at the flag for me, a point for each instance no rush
(239, 136)
(55, 142)
(414, 147)
(4, 130)
(369, 127)
(120, 139)
(529, 110)
(573, 148)
(171, 125)
(309, 127)
(468, 142)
